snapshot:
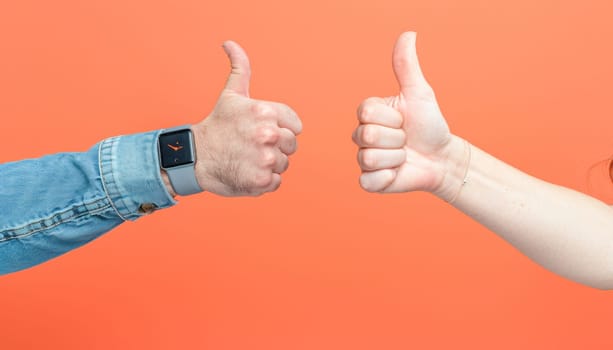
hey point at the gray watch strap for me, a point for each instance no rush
(183, 177)
(183, 180)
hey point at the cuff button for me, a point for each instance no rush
(147, 208)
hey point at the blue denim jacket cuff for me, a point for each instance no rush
(130, 171)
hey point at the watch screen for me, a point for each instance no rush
(176, 148)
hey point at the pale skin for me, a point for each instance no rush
(242, 147)
(406, 145)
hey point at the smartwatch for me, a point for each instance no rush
(177, 153)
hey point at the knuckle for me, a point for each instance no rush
(366, 109)
(369, 160)
(273, 186)
(366, 114)
(262, 110)
(360, 108)
(369, 135)
(256, 108)
(268, 159)
(267, 134)
(263, 180)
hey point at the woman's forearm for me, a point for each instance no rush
(565, 231)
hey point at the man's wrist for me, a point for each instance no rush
(177, 157)
(128, 166)
(199, 132)
(167, 183)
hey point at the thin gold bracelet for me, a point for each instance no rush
(465, 179)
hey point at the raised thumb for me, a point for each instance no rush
(405, 62)
(238, 81)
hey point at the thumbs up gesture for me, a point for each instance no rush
(403, 139)
(242, 147)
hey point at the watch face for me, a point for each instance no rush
(176, 148)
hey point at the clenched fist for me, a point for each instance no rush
(242, 147)
(404, 140)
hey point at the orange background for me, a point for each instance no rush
(320, 264)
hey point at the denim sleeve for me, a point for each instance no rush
(51, 205)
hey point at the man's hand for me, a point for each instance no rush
(404, 140)
(243, 145)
